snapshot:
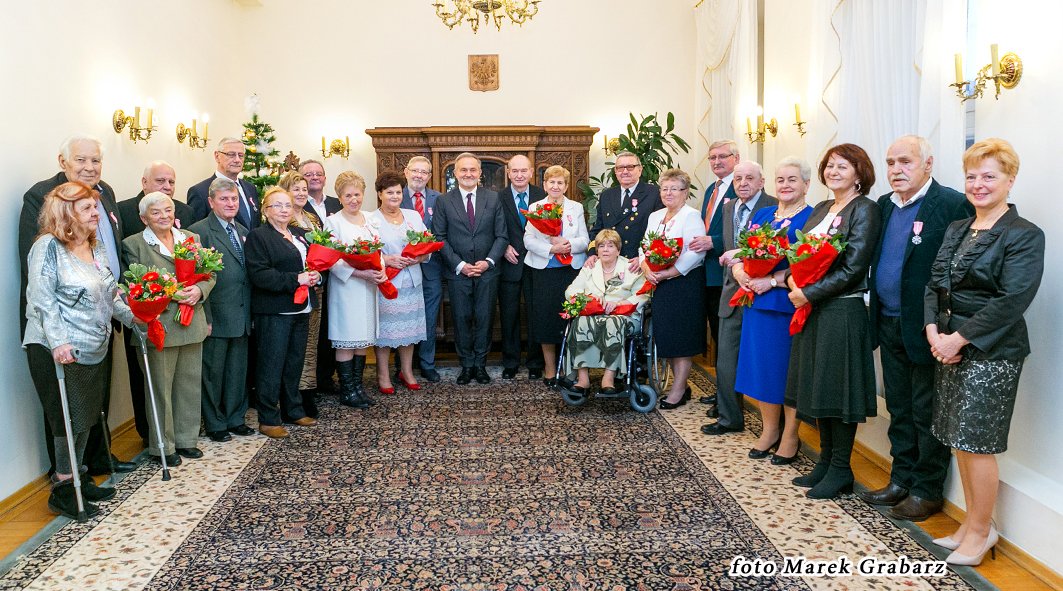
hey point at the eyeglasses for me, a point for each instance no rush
(234, 155)
(626, 167)
(419, 171)
(281, 206)
(716, 157)
(313, 175)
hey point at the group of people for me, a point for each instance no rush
(947, 279)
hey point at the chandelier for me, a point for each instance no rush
(518, 11)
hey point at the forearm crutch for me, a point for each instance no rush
(75, 469)
(142, 336)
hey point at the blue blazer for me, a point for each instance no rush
(713, 270)
(433, 269)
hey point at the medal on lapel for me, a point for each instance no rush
(834, 225)
(917, 229)
(634, 204)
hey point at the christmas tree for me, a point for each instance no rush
(261, 166)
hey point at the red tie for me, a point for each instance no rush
(418, 203)
(712, 203)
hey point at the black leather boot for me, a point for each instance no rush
(826, 437)
(839, 477)
(348, 386)
(64, 502)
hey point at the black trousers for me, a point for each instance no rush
(281, 342)
(326, 355)
(920, 461)
(472, 303)
(510, 308)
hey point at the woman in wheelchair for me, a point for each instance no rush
(598, 341)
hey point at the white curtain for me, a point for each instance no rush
(941, 116)
(726, 73)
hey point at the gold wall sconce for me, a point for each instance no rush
(610, 146)
(1005, 72)
(120, 121)
(338, 147)
(194, 141)
(763, 129)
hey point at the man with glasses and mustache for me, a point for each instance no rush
(230, 161)
(625, 208)
(417, 196)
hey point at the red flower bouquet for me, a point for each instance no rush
(322, 252)
(760, 248)
(193, 263)
(367, 255)
(149, 292)
(810, 258)
(417, 244)
(547, 219)
(661, 253)
(582, 304)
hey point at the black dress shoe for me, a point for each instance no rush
(535, 373)
(915, 508)
(707, 399)
(171, 460)
(120, 466)
(219, 436)
(608, 390)
(242, 430)
(665, 405)
(889, 495)
(481, 376)
(465, 376)
(777, 460)
(713, 412)
(509, 373)
(191, 453)
(760, 454)
(718, 429)
(430, 375)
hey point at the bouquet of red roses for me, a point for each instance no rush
(149, 292)
(661, 253)
(582, 304)
(760, 248)
(368, 255)
(417, 244)
(810, 258)
(193, 263)
(547, 219)
(322, 252)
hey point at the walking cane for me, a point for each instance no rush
(151, 396)
(75, 469)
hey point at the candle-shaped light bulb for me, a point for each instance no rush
(324, 148)
(206, 124)
(993, 55)
(959, 69)
(151, 109)
(347, 142)
(136, 116)
(749, 127)
(797, 111)
(194, 128)
(760, 123)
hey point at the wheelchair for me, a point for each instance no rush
(647, 378)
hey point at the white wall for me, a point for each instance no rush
(320, 67)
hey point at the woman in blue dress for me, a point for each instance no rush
(764, 354)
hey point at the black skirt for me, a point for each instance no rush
(832, 371)
(548, 286)
(678, 310)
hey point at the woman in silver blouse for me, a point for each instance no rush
(71, 298)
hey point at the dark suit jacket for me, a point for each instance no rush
(471, 245)
(986, 293)
(730, 286)
(713, 271)
(860, 226)
(197, 200)
(433, 269)
(129, 213)
(274, 265)
(229, 307)
(32, 202)
(332, 205)
(514, 231)
(611, 215)
(941, 206)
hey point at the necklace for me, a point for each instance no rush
(781, 215)
(608, 272)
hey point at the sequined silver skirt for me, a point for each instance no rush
(974, 403)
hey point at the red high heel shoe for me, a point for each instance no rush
(386, 391)
(414, 386)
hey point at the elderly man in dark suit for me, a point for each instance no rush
(158, 176)
(229, 158)
(914, 218)
(749, 185)
(470, 223)
(416, 195)
(512, 286)
(228, 315)
(626, 207)
(322, 206)
(80, 159)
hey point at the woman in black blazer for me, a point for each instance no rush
(276, 259)
(831, 377)
(983, 279)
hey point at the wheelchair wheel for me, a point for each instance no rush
(643, 398)
(659, 370)
(572, 398)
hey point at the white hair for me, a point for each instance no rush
(67, 147)
(925, 152)
(799, 164)
(756, 166)
(228, 140)
(154, 164)
(152, 199)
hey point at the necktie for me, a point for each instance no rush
(712, 203)
(418, 203)
(627, 199)
(469, 210)
(522, 205)
(244, 214)
(740, 215)
(236, 243)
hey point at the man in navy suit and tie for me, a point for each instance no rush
(470, 223)
(418, 197)
(229, 158)
(914, 218)
(625, 207)
(321, 206)
(518, 195)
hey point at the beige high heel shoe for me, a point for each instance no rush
(946, 542)
(991, 540)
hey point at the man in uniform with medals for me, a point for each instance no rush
(625, 207)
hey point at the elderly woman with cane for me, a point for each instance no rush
(71, 298)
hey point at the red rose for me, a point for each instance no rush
(804, 249)
(151, 276)
(154, 288)
(136, 291)
(754, 241)
(548, 207)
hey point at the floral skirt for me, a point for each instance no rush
(401, 319)
(597, 342)
(974, 403)
(308, 379)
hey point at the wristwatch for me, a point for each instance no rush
(774, 283)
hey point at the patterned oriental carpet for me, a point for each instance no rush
(499, 488)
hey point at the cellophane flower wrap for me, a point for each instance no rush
(661, 253)
(547, 218)
(810, 258)
(761, 247)
(418, 243)
(322, 252)
(148, 292)
(193, 263)
(582, 304)
(368, 255)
